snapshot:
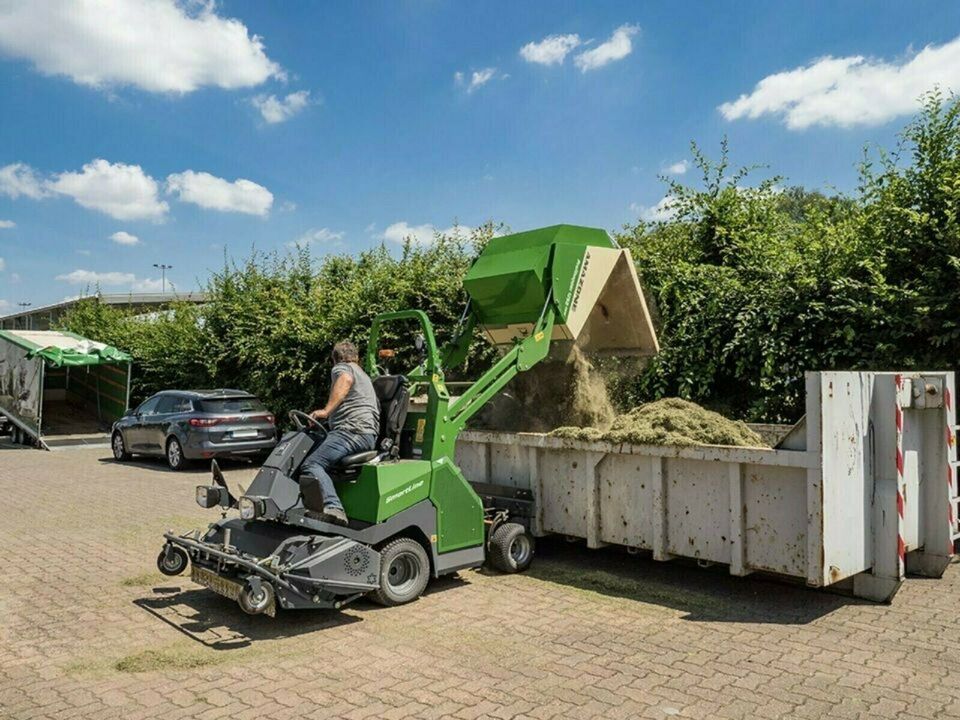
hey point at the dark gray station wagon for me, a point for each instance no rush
(184, 425)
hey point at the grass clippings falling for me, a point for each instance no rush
(187, 658)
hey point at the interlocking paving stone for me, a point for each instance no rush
(80, 534)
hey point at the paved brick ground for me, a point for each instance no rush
(89, 629)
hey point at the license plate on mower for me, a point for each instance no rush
(220, 585)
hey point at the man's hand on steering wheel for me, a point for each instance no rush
(303, 421)
(320, 414)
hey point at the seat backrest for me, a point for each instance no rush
(393, 393)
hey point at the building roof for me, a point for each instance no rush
(133, 299)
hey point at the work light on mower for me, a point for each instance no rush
(251, 507)
(209, 496)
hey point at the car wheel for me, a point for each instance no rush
(404, 572)
(119, 448)
(175, 458)
(511, 548)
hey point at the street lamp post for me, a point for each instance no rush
(163, 267)
(26, 322)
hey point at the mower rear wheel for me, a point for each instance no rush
(175, 459)
(172, 561)
(511, 548)
(404, 572)
(119, 448)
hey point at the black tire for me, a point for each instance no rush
(254, 603)
(404, 572)
(175, 459)
(174, 563)
(119, 447)
(511, 548)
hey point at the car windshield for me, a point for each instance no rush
(232, 405)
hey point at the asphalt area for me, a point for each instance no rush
(90, 629)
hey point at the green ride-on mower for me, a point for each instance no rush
(413, 515)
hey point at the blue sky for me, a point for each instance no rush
(135, 132)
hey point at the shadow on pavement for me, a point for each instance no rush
(220, 624)
(705, 594)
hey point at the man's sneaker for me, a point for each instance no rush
(334, 515)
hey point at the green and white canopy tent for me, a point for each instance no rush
(60, 382)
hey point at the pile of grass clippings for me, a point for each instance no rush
(671, 421)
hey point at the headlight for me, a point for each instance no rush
(251, 507)
(209, 496)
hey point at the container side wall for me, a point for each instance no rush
(698, 505)
(847, 474)
(775, 519)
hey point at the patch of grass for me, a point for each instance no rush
(143, 580)
(166, 659)
(619, 586)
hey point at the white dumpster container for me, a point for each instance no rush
(868, 493)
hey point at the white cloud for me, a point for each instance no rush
(424, 234)
(150, 285)
(312, 237)
(7, 224)
(83, 252)
(849, 91)
(551, 50)
(14, 277)
(663, 211)
(121, 237)
(478, 78)
(616, 48)
(276, 110)
(121, 191)
(215, 193)
(90, 277)
(155, 45)
(5, 306)
(679, 168)
(20, 179)
(3, 264)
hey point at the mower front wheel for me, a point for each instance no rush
(404, 572)
(511, 548)
(172, 560)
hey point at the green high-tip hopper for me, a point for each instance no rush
(589, 282)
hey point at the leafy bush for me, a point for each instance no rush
(271, 320)
(756, 285)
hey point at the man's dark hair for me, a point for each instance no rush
(345, 351)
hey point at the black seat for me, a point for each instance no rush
(393, 396)
(358, 458)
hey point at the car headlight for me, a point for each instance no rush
(251, 507)
(209, 496)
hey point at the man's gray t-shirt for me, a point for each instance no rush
(359, 412)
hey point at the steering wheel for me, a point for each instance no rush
(304, 421)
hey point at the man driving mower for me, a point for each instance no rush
(353, 415)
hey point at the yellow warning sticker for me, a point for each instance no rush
(538, 337)
(421, 426)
